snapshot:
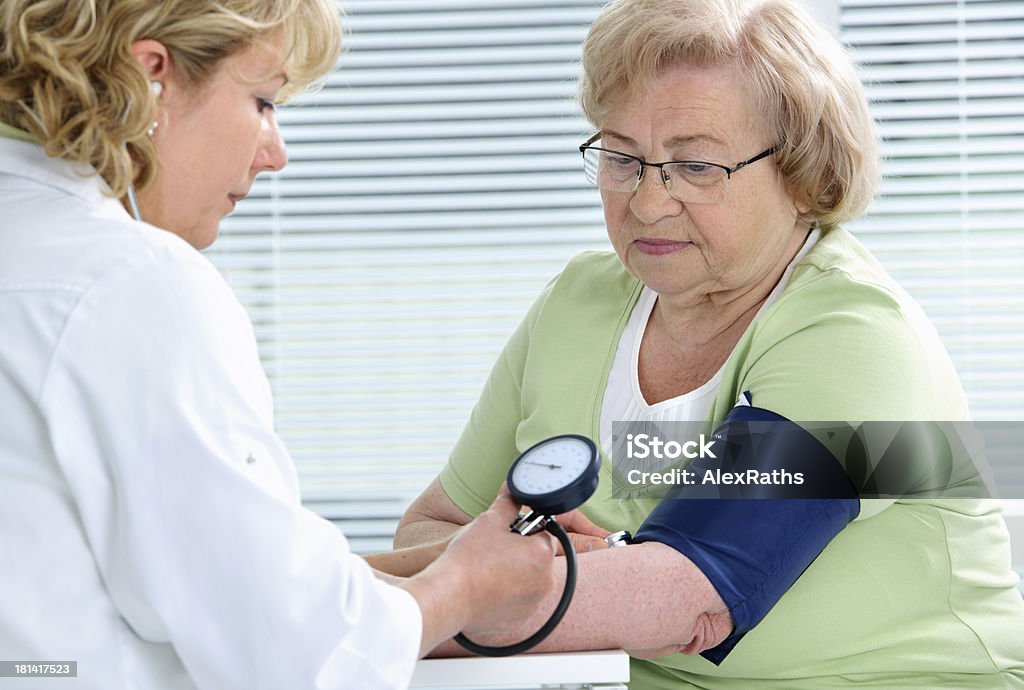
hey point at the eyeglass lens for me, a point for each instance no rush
(689, 181)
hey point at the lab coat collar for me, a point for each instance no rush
(29, 160)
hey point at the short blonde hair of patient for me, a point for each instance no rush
(798, 74)
(67, 75)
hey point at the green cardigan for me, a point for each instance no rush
(912, 594)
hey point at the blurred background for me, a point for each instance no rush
(435, 186)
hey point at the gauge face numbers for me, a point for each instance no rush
(556, 475)
(551, 465)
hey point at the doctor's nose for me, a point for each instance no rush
(271, 153)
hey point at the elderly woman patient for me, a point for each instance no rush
(733, 141)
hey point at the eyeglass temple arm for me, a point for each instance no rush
(764, 154)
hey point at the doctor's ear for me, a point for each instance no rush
(154, 59)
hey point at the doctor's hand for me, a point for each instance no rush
(508, 575)
(487, 581)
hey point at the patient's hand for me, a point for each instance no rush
(584, 534)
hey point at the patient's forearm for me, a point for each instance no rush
(409, 561)
(432, 517)
(416, 533)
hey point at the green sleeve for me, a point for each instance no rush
(844, 342)
(548, 380)
(861, 361)
(487, 447)
(839, 349)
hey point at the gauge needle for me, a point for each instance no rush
(541, 464)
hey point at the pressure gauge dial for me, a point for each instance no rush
(555, 475)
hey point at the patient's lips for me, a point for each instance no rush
(658, 246)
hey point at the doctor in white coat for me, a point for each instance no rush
(150, 521)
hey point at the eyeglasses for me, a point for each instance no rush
(693, 182)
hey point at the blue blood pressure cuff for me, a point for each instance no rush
(752, 541)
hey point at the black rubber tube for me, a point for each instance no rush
(556, 616)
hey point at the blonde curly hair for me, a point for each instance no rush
(67, 75)
(798, 74)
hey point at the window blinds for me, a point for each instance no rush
(946, 83)
(434, 187)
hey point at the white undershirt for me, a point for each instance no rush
(623, 400)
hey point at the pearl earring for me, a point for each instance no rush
(157, 88)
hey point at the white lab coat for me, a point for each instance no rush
(150, 523)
